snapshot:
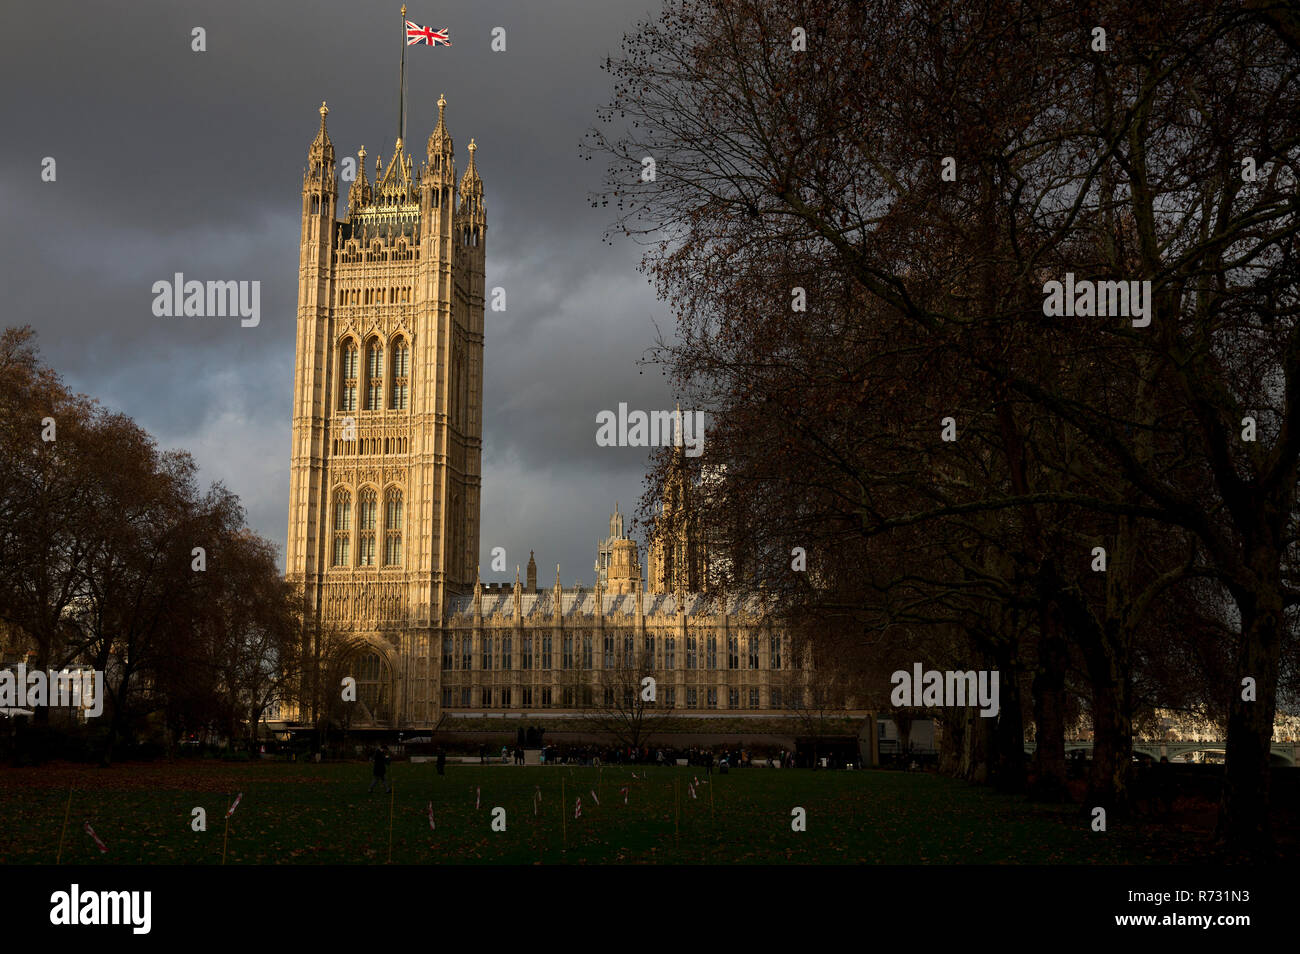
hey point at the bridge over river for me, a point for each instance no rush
(1283, 753)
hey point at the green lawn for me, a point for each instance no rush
(322, 814)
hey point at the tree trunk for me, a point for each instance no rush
(952, 743)
(1049, 711)
(980, 738)
(1244, 829)
(903, 723)
(1008, 751)
(1112, 745)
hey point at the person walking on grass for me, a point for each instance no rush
(381, 769)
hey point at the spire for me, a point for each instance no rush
(470, 183)
(471, 188)
(322, 150)
(395, 186)
(532, 573)
(359, 194)
(439, 147)
(318, 181)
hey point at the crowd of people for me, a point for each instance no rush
(722, 757)
(698, 756)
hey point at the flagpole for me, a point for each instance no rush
(401, 85)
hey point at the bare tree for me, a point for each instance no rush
(627, 703)
(800, 151)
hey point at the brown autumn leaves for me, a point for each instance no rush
(110, 554)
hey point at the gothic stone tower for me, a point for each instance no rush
(385, 471)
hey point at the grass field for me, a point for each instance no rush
(321, 814)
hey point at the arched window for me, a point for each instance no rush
(348, 367)
(342, 526)
(372, 679)
(367, 511)
(401, 372)
(374, 376)
(393, 528)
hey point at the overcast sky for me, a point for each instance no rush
(170, 160)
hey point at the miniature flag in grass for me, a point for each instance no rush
(594, 798)
(624, 791)
(432, 826)
(103, 848)
(577, 808)
(238, 798)
(478, 796)
(691, 789)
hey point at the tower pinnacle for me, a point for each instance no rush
(439, 147)
(322, 150)
(471, 195)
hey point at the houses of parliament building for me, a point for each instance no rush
(386, 476)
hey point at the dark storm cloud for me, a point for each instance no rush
(175, 161)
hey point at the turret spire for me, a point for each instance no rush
(439, 148)
(471, 186)
(322, 150)
(359, 194)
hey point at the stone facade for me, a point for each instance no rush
(572, 649)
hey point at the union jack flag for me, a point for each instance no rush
(416, 34)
